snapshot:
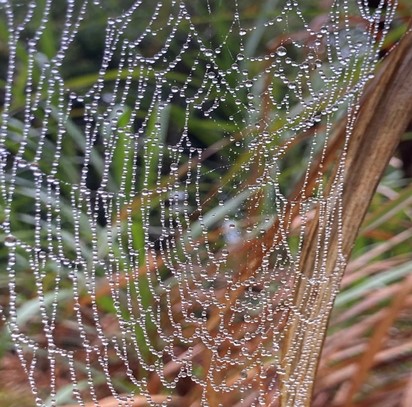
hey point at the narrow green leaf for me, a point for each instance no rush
(388, 210)
(378, 281)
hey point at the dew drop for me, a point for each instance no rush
(10, 241)
(318, 63)
(281, 51)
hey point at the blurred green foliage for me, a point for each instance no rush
(390, 214)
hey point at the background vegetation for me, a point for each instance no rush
(367, 356)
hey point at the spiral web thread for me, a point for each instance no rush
(152, 207)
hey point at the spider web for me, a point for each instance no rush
(154, 208)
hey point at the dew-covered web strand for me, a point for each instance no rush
(156, 217)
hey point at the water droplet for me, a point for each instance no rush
(10, 241)
(42, 255)
(21, 163)
(281, 51)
